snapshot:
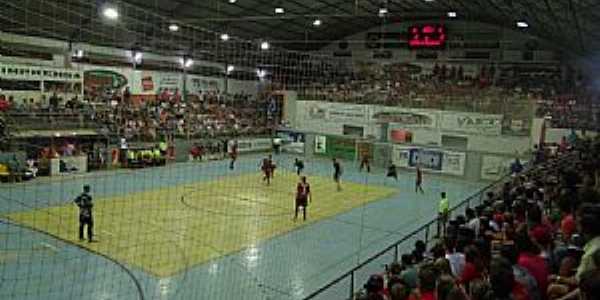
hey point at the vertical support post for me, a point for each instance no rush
(351, 285)
(184, 91)
(396, 253)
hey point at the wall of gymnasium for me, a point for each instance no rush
(60, 58)
(470, 145)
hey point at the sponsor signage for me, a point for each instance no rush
(472, 123)
(439, 161)
(494, 167)
(454, 163)
(404, 118)
(320, 144)
(334, 112)
(401, 156)
(427, 159)
(254, 145)
(349, 113)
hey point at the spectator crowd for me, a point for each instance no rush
(536, 236)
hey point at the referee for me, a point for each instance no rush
(84, 202)
(443, 214)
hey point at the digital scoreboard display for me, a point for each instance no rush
(427, 36)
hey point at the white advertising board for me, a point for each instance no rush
(404, 118)
(454, 163)
(320, 144)
(471, 123)
(250, 145)
(494, 167)
(401, 156)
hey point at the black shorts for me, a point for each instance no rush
(337, 176)
(301, 202)
(86, 220)
(392, 174)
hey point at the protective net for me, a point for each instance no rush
(193, 145)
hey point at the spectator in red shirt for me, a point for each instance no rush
(473, 266)
(502, 280)
(4, 105)
(567, 222)
(426, 285)
(530, 259)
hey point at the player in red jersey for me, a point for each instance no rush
(267, 168)
(233, 153)
(419, 182)
(365, 163)
(303, 196)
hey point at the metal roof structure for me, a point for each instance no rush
(569, 24)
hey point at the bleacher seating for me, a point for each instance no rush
(536, 237)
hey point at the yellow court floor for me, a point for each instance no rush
(164, 231)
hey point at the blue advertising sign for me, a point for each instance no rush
(428, 159)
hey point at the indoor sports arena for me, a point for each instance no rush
(299, 149)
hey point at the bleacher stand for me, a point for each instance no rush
(536, 237)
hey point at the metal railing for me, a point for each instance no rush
(372, 265)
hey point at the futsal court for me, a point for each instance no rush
(192, 228)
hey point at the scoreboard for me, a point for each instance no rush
(427, 36)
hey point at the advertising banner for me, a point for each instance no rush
(403, 118)
(169, 81)
(262, 144)
(401, 156)
(198, 84)
(471, 123)
(347, 113)
(320, 144)
(339, 147)
(428, 159)
(400, 136)
(293, 142)
(335, 112)
(454, 163)
(252, 145)
(314, 110)
(494, 167)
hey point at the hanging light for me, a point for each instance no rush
(110, 12)
(265, 45)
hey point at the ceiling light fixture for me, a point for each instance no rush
(265, 46)
(261, 73)
(174, 27)
(230, 68)
(279, 10)
(137, 57)
(522, 24)
(383, 11)
(224, 37)
(452, 14)
(317, 22)
(78, 53)
(110, 12)
(186, 62)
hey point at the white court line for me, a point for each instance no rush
(107, 232)
(51, 247)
